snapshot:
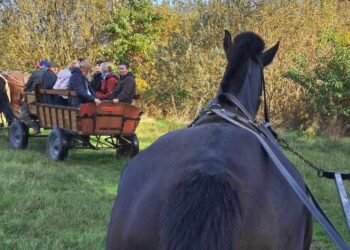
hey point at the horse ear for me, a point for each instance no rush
(268, 55)
(227, 41)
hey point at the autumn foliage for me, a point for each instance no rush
(175, 49)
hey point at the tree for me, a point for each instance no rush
(133, 32)
(55, 30)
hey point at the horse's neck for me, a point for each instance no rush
(244, 97)
(245, 100)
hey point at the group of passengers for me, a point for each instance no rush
(103, 85)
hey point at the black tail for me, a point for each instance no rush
(201, 213)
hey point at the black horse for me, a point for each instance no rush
(212, 186)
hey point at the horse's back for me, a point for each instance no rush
(152, 177)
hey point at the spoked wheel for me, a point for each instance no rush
(18, 135)
(57, 145)
(128, 147)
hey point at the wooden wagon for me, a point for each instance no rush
(108, 125)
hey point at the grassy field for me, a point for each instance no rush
(50, 205)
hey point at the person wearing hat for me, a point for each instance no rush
(80, 84)
(50, 76)
(36, 76)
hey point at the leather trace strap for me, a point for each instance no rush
(266, 138)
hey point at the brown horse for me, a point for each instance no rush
(15, 83)
(212, 186)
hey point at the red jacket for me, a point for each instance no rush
(107, 86)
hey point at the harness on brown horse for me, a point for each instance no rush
(270, 142)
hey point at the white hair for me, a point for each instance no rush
(105, 67)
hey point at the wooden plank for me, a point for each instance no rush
(66, 118)
(47, 116)
(60, 120)
(39, 114)
(73, 116)
(343, 198)
(62, 92)
(53, 112)
(43, 117)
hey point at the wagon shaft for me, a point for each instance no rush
(343, 198)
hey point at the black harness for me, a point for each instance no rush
(268, 139)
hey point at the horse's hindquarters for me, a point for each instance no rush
(209, 187)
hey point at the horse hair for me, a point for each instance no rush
(245, 45)
(200, 213)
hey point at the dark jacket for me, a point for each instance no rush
(36, 77)
(125, 89)
(80, 85)
(107, 86)
(49, 79)
(97, 79)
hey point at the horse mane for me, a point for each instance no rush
(245, 45)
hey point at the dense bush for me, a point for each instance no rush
(327, 85)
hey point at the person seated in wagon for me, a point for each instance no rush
(62, 82)
(80, 84)
(36, 76)
(109, 82)
(97, 77)
(49, 80)
(126, 88)
(50, 75)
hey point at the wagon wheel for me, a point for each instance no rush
(128, 146)
(18, 135)
(57, 145)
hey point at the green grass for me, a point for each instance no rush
(53, 205)
(330, 155)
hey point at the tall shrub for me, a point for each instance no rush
(327, 85)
